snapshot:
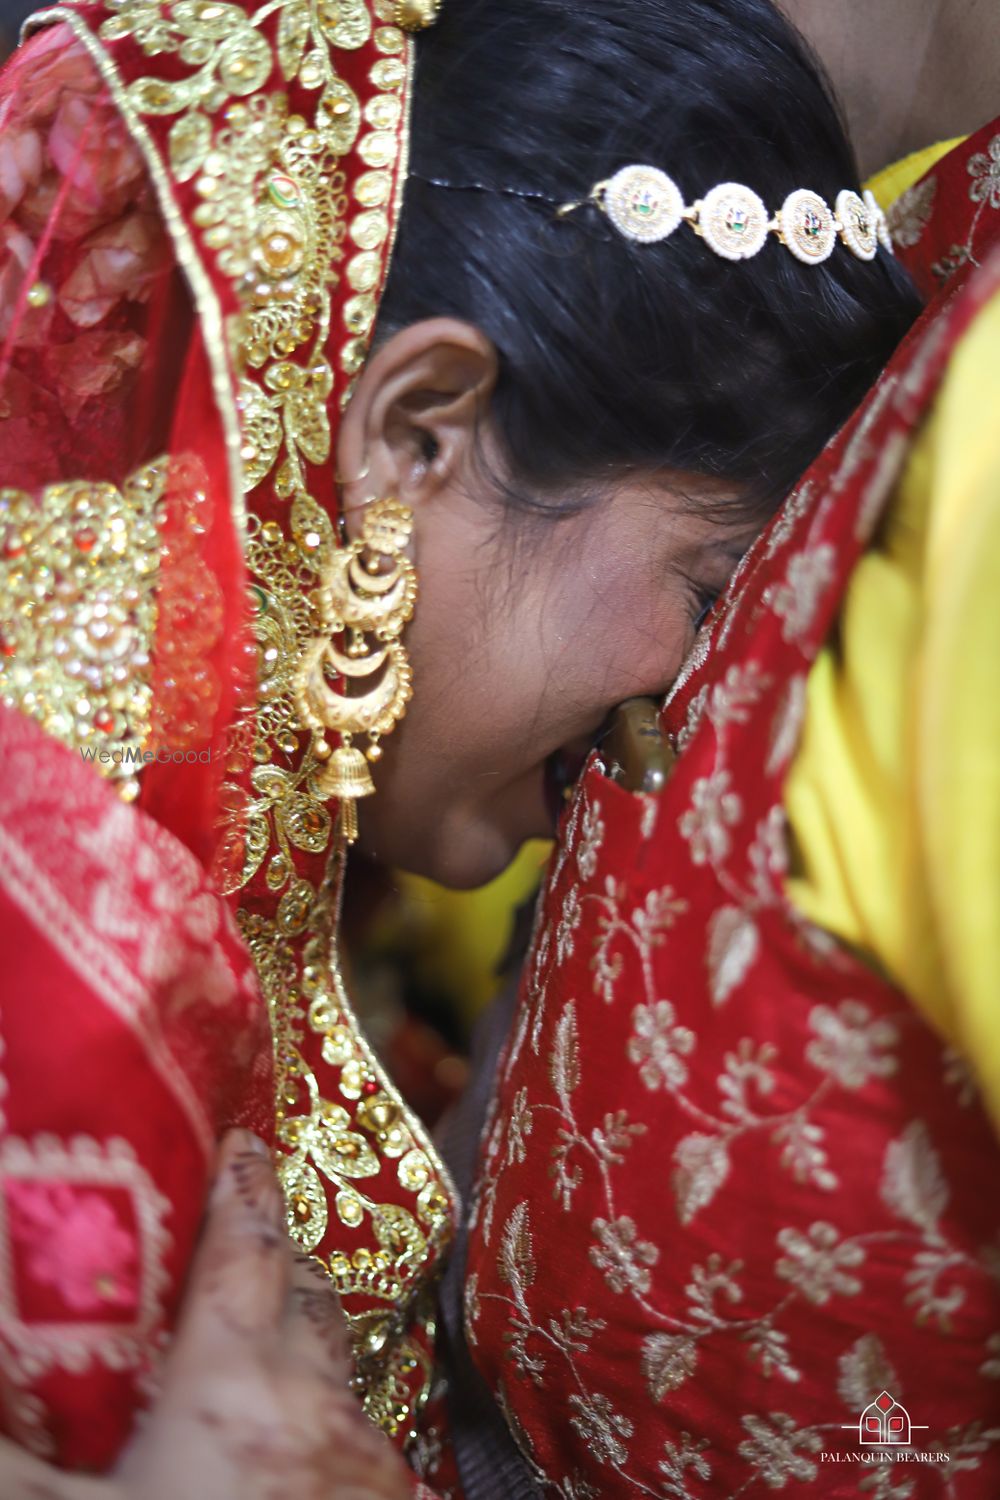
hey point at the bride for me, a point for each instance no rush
(345, 376)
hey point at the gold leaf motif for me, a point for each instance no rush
(294, 907)
(432, 1203)
(516, 1262)
(564, 1067)
(305, 1202)
(244, 63)
(313, 70)
(413, 1170)
(293, 33)
(342, 1153)
(214, 19)
(701, 1167)
(308, 518)
(339, 115)
(668, 1360)
(913, 1184)
(152, 96)
(262, 432)
(344, 23)
(311, 427)
(864, 1371)
(350, 1209)
(397, 1231)
(189, 142)
(244, 843)
(307, 823)
(733, 942)
(270, 780)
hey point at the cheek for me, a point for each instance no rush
(476, 648)
(615, 629)
(518, 653)
(517, 649)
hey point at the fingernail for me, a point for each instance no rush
(245, 1140)
(244, 1171)
(236, 1145)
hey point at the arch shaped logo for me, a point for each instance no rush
(885, 1421)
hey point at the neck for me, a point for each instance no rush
(908, 73)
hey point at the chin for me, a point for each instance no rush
(458, 859)
(460, 870)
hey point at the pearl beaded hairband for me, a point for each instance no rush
(644, 204)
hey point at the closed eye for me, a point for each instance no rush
(706, 605)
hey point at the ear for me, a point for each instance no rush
(410, 425)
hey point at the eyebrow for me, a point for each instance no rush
(698, 554)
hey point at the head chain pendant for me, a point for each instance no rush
(366, 596)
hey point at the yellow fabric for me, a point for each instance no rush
(456, 940)
(894, 798)
(894, 179)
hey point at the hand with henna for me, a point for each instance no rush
(255, 1402)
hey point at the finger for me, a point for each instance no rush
(315, 1327)
(239, 1279)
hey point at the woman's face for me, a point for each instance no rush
(528, 631)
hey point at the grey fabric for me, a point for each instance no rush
(490, 1464)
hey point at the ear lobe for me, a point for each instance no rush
(415, 409)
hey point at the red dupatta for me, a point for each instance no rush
(199, 204)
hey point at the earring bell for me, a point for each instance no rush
(366, 596)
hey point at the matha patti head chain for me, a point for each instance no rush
(646, 205)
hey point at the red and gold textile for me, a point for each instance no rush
(198, 202)
(734, 1186)
(132, 1028)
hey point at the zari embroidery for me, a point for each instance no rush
(344, 1141)
(307, 234)
(85, 594)
(78, 575)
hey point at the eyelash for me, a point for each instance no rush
(706, 603)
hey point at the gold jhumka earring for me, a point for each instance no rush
(367, 593)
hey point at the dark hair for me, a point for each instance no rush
(617, 356)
